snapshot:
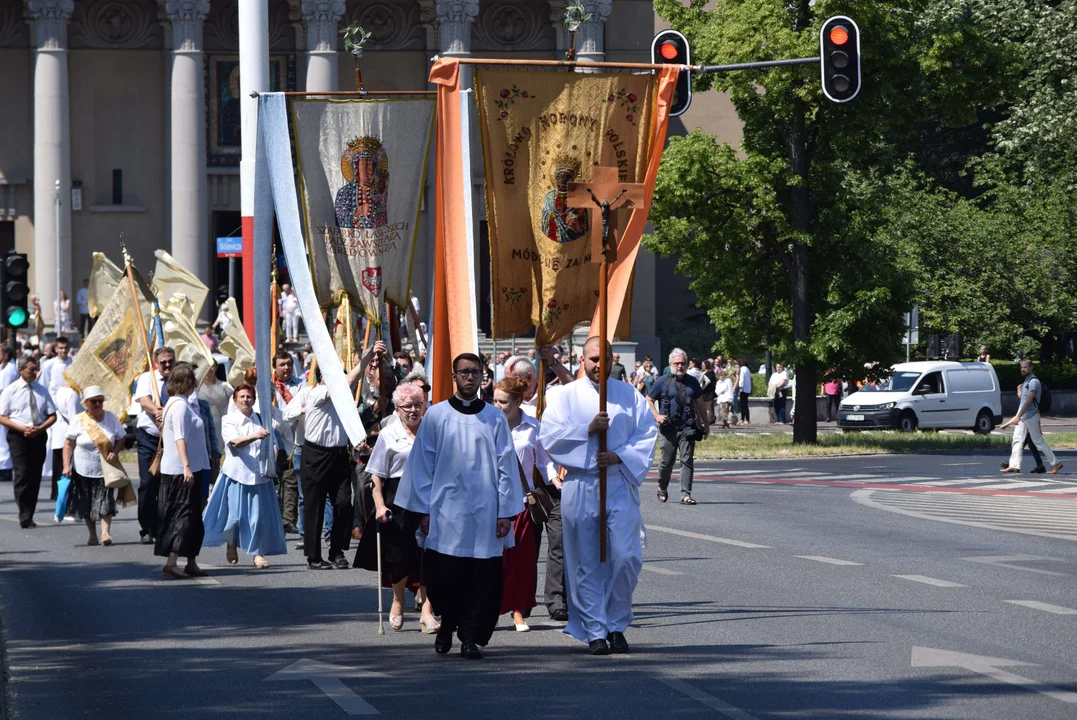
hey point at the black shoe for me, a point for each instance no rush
(598, 647)
(1038, 470)
(341, 563)
(470, 651)
(618, 644)
(443, 643)
(146, 540)
(559, 615)
(24, 524)
(30, 525)
(319, 565)
(290, 528)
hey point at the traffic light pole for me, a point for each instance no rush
(754, 65)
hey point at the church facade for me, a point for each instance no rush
(122, 117)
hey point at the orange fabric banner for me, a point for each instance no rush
(620, 287)
(453, 325)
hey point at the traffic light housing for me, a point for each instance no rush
(14, 290)
(839, 58)
(671, 48)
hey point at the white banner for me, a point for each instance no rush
(362, 167)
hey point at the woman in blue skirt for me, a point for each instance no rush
(242, 509)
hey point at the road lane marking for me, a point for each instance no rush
(946, 483)
(709, 538)
(990, 667)
(1046, 607)
(327, 678)
(828, 560)
(720, 706)
(1008, 561)
(1016, 485)
(660, 570)
(930, 581)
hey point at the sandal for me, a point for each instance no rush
(663, 496)
(429, 627)
(172, 572)
(231, 554)
(93, 541)
(194, 571)
(687, 500)
(106, 540)
(396, 622)
(260, 562)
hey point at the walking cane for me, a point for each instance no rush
(377, 535)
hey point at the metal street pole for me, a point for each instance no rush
(231, 277)
(59, 275)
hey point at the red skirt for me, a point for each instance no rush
(520, 567)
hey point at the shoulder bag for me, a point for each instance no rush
(115, 474)
(155, 464)
(538, 502)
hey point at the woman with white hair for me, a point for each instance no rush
(92, 438)
(400, 553)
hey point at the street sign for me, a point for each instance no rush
(229, 247)
(912, 326)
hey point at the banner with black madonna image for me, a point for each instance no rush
(362, 168)
(542, 131)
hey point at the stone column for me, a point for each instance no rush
(455, 18)
(321, 18)
(591, 39)
(52, 152)
(190, 235)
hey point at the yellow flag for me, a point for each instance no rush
(105, 278)
(171, 279)
(182, 336)
(114, 354)
(236, 345)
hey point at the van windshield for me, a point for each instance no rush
(900, 382)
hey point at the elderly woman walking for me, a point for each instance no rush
(93, 438)
(520, 563)
(242, 509)
(184, 458)
(401, 555)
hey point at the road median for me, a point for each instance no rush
(730, 446)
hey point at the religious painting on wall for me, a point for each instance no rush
(542, 131)
(362, 167)
(224, 143)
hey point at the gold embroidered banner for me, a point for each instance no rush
(105, 278)
(540, 132)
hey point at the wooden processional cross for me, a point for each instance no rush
(606, 193)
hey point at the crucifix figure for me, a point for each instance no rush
(606, 192)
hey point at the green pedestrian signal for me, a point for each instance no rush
(14, 290)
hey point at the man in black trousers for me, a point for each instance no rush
(27, 411)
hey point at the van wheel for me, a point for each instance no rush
(985, 423)
(907, 421)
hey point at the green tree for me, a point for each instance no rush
(782, 236)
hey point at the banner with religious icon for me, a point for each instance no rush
(362, 167)
(541, 132)
(114, 354)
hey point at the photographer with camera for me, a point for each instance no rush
(676, 401)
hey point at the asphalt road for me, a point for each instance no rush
(878, 587)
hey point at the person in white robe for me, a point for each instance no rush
(600, 594)
(8, 374)
(462, 481)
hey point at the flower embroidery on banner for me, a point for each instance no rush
(508, 97)
(628, 102)
(553, 311)
(513, 295)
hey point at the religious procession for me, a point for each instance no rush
(373, 441)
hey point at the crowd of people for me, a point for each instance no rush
(449, 502)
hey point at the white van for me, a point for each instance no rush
(938, 394)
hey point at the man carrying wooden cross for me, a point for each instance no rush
(600, 593)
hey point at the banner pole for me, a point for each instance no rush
(603, 368)
(141, 325)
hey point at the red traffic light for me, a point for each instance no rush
(839, 35)
(669, 50)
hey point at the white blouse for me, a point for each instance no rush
(390, 452)
(86, 459)
(182, 422)
(241, 464)
(525, 440)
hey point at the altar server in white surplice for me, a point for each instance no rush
(463, 482)
(600, 594)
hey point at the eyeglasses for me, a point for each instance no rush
(94, 401)
(414, 407)
(676, 362)
(165, 363)
(468, 373)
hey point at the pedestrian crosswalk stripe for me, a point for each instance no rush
(828, 560)
(931, 581)
(1046, 607)
(1016, 485)
(660, 570)
(710, 538)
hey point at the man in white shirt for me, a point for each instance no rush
(600, 594)
(82, 297)
(325, 471)
(148, 437)
(288, 441)
(462, 479)
(27, 411)
(289, 311)
(744, 387)
(52, 378)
